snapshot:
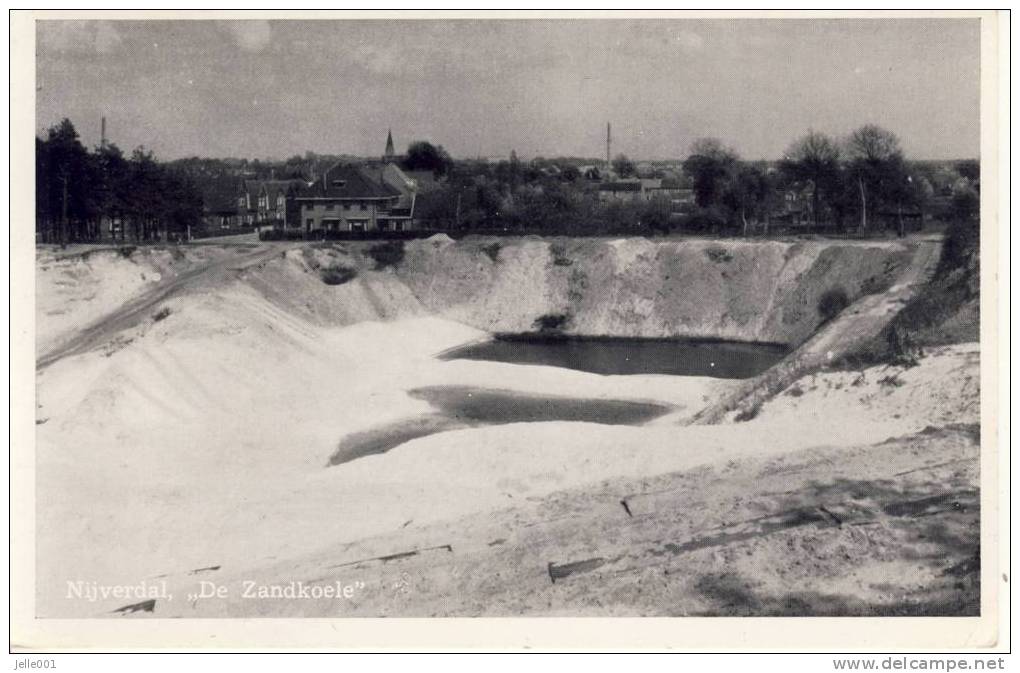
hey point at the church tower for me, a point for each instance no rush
(390, 152)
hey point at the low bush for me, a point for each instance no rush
(559, 255)
(280, 235)
(390, 253)
(337, 275)
(748, 414)
(492, 250)
(874, 285)
(892, 381)
(718, 255)
(900, 348)
(703, 220)
(832, 303)
(551, 322)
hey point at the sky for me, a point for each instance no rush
(273, 89)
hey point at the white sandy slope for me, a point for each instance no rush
(204, 441)
(74, 290)
(78, 287)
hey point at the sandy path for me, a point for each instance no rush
(141, 307)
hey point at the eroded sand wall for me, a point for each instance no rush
(734, 290)
(764, 291)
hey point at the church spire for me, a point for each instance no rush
(390, 153)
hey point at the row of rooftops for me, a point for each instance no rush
(341, 182)
(642, 185)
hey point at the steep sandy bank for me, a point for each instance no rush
(735, 290)
(766, 291)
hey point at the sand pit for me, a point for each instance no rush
(203, 439)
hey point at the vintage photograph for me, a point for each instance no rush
(521, 317)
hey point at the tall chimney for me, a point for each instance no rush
(102, 133)
(609, 140)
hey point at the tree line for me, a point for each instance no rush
(81, 192)
(862, 182)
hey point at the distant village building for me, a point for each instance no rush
(358, 199)
(230, 203)
(620, 190)
(671, 189)
(796, 209)
(275, 203)
(347, 197)
(220, 203)
(645, 190)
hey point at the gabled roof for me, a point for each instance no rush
(274, 188)
(345, 181)
(394, 177)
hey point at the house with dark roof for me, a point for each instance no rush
(671, 189)
(357, 199)
(272, 202)
(623, 190)
(220, 205)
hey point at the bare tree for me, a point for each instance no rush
(875, 157)
(814, 158)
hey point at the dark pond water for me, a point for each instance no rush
(467, 407)
(486, 406)
(718, 359)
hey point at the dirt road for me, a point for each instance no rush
(142, 307)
